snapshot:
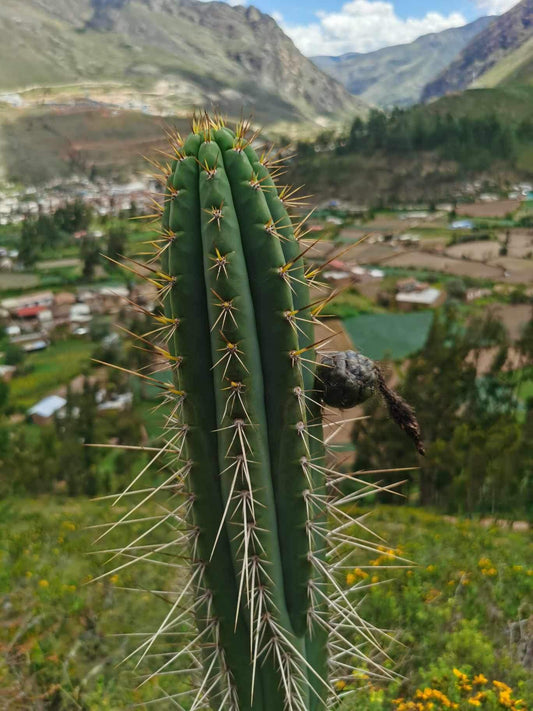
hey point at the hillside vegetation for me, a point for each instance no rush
(425, 153)
(59, 647)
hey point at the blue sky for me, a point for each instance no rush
(338, 26)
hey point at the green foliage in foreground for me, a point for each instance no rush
(478, 434)
(452, 610)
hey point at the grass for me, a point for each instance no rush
(510, 103)
(350, 303)
(450, 610)
(389, 334)
(510, 68)
(13, 281)
(48, 370)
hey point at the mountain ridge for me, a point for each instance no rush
(208, 54)
(397, 75)
(483, 54)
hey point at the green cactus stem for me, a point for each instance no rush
(275, 627)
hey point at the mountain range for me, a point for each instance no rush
(193, 53)
(396, 76)
(501, 54)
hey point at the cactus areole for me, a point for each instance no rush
(263, 515)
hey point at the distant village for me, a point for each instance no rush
(30, 321)
(106, 197)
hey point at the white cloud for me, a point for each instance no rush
(365, 25)
(495, 7)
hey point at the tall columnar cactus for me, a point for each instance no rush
(262, 513)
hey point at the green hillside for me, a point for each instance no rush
(515, 68)
(512, 103)
(62, 637)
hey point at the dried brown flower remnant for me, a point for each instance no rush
(401, 412)
(347, 379)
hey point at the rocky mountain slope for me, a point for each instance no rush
(496, 50)
(200, 53)
(396, 76)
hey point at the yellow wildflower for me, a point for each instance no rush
(491, 572)
(113, 579)
(505, 699)
(340, 685)
(350, 579)
(501, 686)
(375, 579)
(479, 679)
(44, 583)
(462, 678)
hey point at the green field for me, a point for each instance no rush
(451, 609)
(48, 370)
(389, 335)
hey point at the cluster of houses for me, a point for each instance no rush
(44, 412)
(106, 197)
(411, 293)
(29, 319)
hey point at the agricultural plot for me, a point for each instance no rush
(59, 263)
(514, 317)
(519, 271)
(389, 335)
(367, 253)
(521, 244)
(437, 263)
(497, 208)
(480, 251)
(16, 280)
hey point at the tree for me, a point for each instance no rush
(29, 243)
(469, 423)
(73, 217)
(90, 255)
(456, 289)
(4, 395)
(14, 355)
(116, 241)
